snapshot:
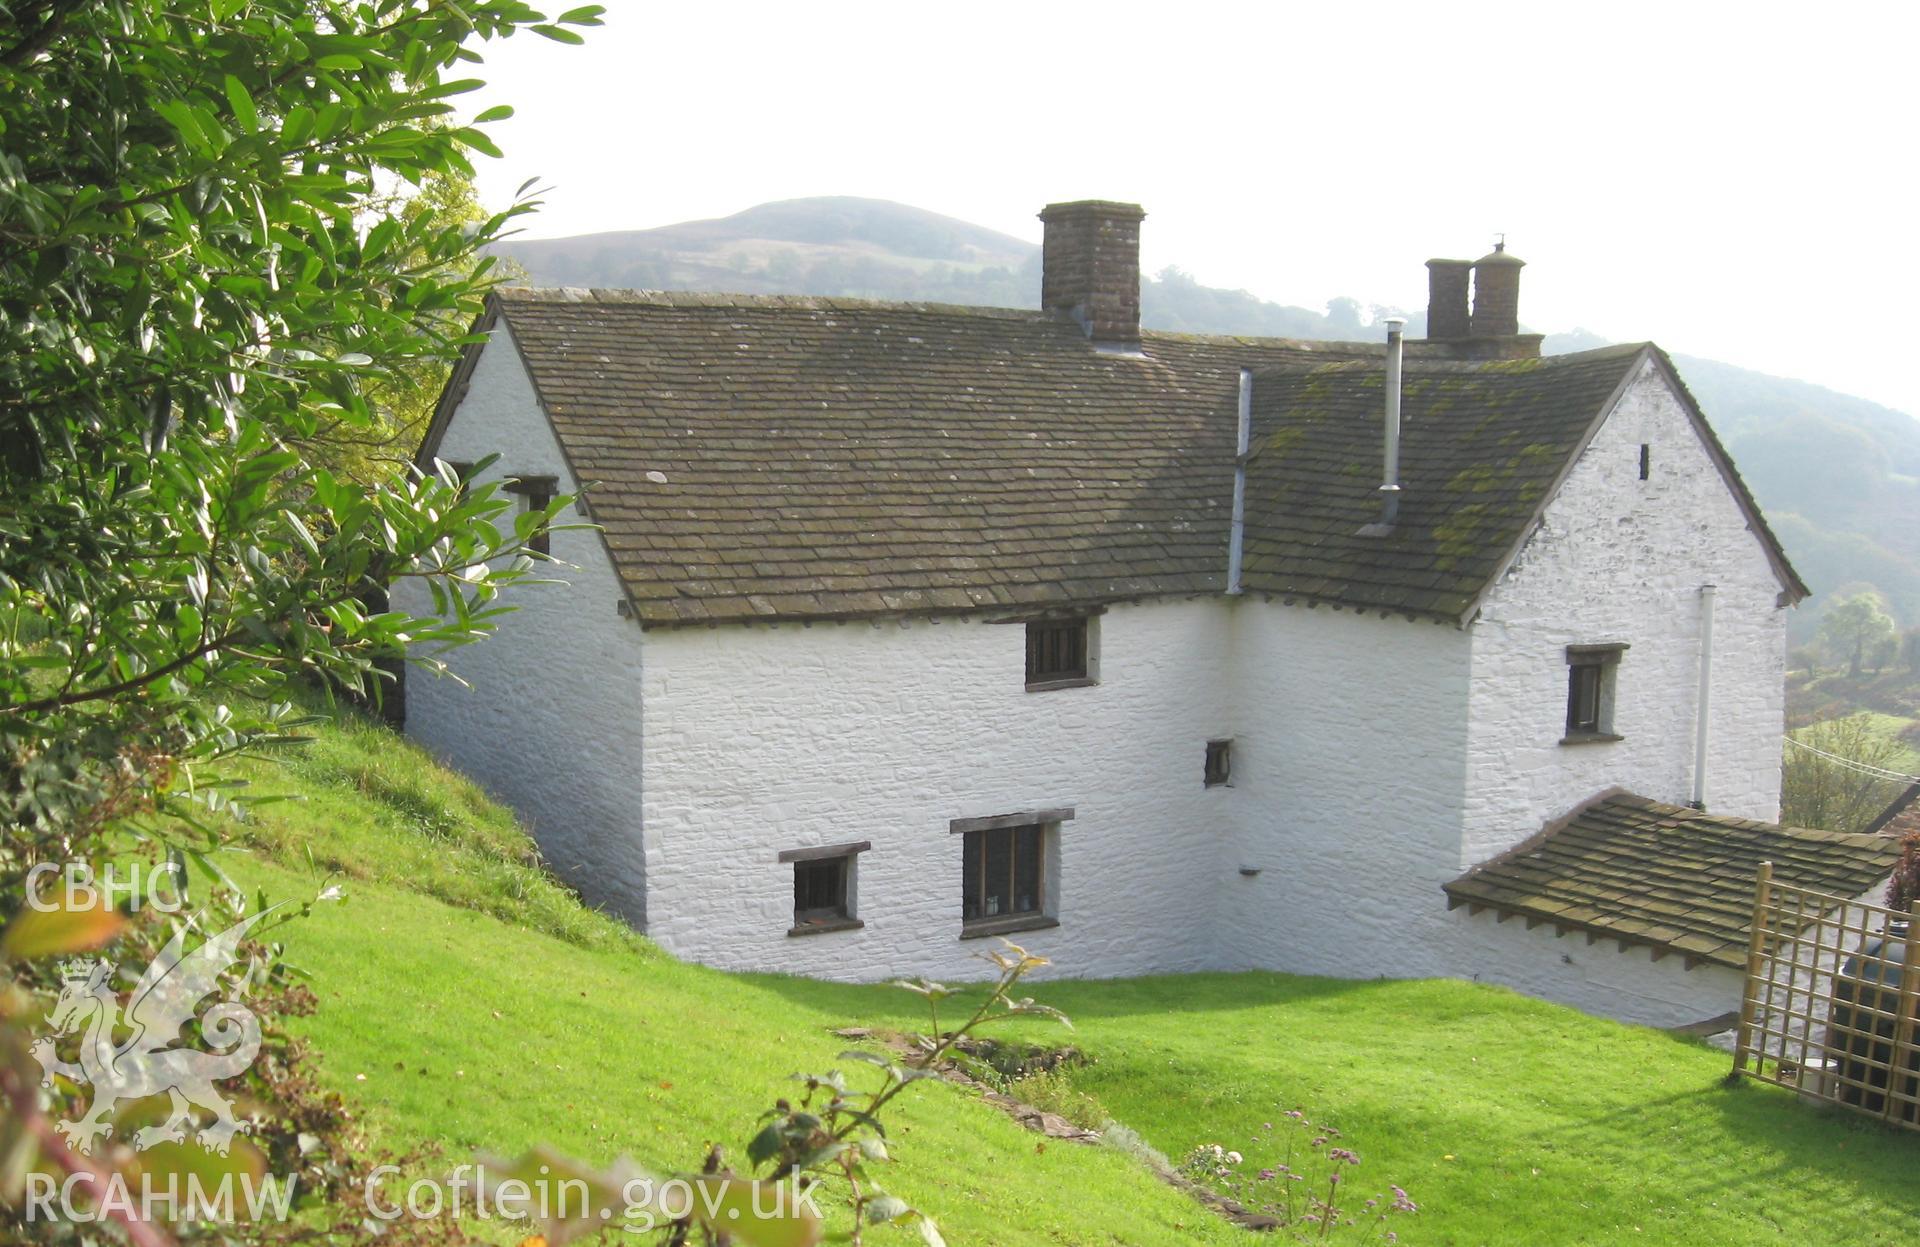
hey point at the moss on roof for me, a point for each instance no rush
(1667, 876)
(830, 458)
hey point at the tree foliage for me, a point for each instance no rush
(204, 268)
(1834, 775)
(214, 250)
(1858, 629)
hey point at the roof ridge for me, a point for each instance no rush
(1417, 363)
(608, 296)
(611, 297)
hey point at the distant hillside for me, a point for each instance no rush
(872, 249)
(1838, 476)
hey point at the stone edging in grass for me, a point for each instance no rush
(1054, 1126)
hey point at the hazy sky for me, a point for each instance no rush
(1734, 181)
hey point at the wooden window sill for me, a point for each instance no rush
(1590, 738)
(1047, 686)
(826, 926)
(980, 928)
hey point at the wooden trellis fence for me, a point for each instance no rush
(1832, 1003)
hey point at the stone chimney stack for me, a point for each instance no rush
(1447, 293)
(1090, 268)
(1496, 294)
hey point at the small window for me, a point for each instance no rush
(542, 541)
(1219, 762)
(823, 888)
(820, 891)
(1002, 873)
(1057, 653)
(537, 493)
(1646, 460)
(1590, 687)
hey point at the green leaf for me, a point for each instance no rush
(559, 34)
(477, 140)
(764, 1146)
(887, 1208)
(339, 60)
(242, 104)
(499, 112)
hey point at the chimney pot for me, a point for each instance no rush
(1448, 283)
(1496, 294)
(1090, 267)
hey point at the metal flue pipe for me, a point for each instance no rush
(1390, 467)
(1237, 532)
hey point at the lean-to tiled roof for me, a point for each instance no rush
(771, 457)
(1668, 876)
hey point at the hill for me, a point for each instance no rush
(466, 1003)
(1838, 476)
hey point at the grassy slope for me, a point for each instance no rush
(1509, 1120)
(560, 1026)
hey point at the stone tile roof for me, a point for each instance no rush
(760, 457)
(1643, 872)
(1482, 448)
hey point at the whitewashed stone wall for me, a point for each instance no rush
(759, 739)
(1379, 758)
(550, 719)
(1621, 559)
(1349, 775)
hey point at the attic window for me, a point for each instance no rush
(1059, 653)
(537, 494)
(1219, 767)
(1646, 460)
(1590, 693)
(823, 889)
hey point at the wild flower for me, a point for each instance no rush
(1308, 1192)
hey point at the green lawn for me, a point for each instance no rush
(518, 1019)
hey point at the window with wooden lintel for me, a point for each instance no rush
(1590, 692)
(1003, 866)
(536, 493)
(823, 888)
(1059, 652)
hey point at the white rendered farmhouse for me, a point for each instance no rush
(902, 626)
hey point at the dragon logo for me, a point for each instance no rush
(148, 1061)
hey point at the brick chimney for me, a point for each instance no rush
(1090, 267)
(1447, 290)
(1496, 294)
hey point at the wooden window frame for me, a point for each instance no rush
(1592, 672)
(1060, 653)
(539, 493)
(841, 916)
(1045, 824)
(1217, 771)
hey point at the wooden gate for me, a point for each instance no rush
(1832, 1001)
